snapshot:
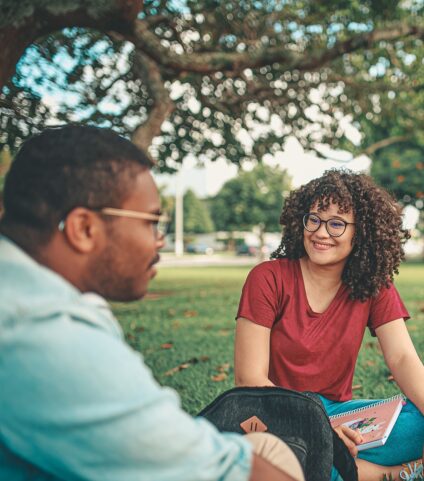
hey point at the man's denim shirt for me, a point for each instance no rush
(77, 403)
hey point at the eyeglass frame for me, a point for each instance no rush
(132, 214)
(322, 221)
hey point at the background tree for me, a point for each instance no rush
(401, 171)
(253, 199)
(196, 214)
(399, 164)
(216, 70)
(197, 218)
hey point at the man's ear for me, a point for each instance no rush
(82, 230)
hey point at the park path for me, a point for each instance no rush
(170, 260)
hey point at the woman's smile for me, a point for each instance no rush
(322, 246)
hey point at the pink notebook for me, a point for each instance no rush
(375, 422)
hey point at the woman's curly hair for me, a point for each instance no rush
(379, 235)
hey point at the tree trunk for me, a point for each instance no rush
(261, 234)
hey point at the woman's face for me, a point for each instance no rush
(322, 248)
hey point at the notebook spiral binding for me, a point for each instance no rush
(363, 408)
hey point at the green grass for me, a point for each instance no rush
(188, 320)
(371, 373)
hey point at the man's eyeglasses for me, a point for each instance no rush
(159, 222)
(334, 227)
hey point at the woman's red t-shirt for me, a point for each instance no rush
(311, 351)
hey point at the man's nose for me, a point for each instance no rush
(160, 240)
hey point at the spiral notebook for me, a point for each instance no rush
(375, 421)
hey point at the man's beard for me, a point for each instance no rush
(111, 278)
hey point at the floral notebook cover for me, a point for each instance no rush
(375, 421)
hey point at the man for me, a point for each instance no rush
(81, 223)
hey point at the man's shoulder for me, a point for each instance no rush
(30, 292)
(24, 282)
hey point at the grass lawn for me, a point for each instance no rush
(185, 330)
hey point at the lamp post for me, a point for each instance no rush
(179, 217)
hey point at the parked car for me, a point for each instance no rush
(199, 248)
(246, 250)
(269, 248)
(249, 250)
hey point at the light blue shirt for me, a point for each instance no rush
(77, 403)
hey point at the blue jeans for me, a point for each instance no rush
(405, 442)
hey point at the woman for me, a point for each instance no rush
(302, 316)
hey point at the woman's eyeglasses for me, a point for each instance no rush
(334, 227)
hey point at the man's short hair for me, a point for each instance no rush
(66, 167)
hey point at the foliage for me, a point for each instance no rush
(189, 316)
(398, 123)
(400, 169)
(196, 215)
(197, 219)
(167, 201)
(219, 70)
(252, 199)
(399, 166)
(16, 14)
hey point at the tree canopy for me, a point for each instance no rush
(401, 171)
(196, 217)
(399, 167)
(205, 75)
(253, 199)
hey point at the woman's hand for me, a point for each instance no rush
(350, 437)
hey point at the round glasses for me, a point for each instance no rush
(334, 227)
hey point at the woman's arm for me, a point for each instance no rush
(251, 354)
(402, 360)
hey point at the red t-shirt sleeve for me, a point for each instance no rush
(261, 295)
(386, 307)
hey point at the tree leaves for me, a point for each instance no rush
(253, 198)
(186, 364)
(308, 64)
(223, 370)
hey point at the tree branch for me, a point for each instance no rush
(371, 149)
(121, 19)
(381, 144)
(162, 105)
(210, 62)
(14, 39)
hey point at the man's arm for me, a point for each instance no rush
(96, 413)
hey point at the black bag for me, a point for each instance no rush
(299, 419)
